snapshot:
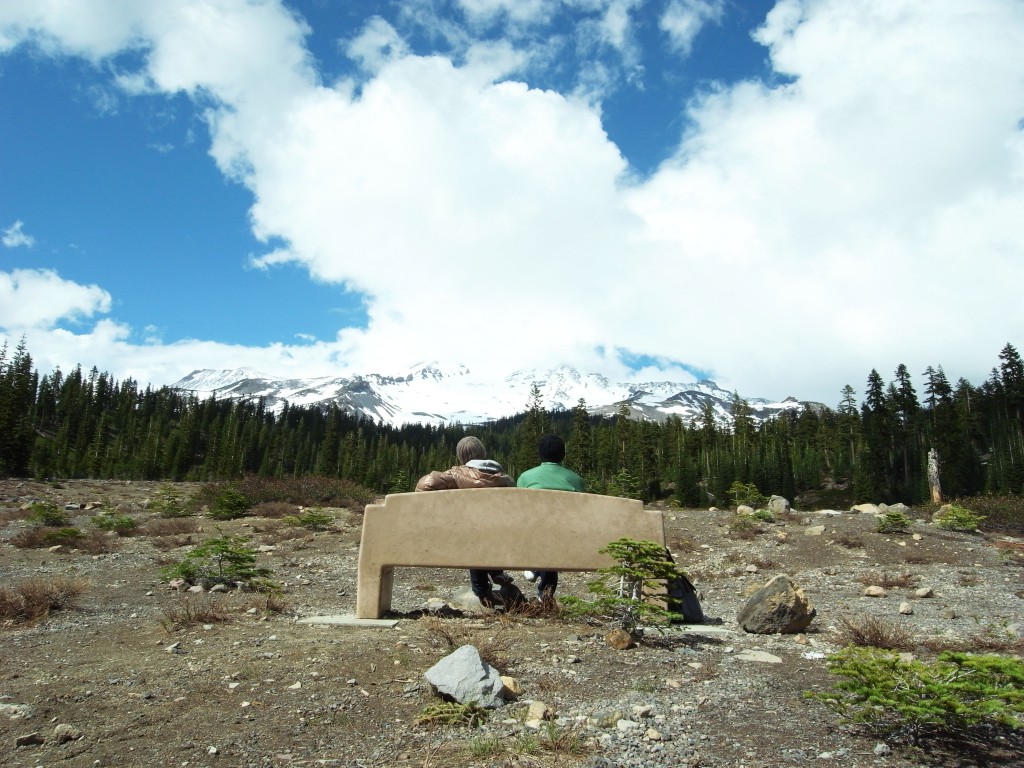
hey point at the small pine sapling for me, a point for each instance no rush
(630, 592)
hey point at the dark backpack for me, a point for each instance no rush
(682, 598)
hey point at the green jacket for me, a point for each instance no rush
(551, 476)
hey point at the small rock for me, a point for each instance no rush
(948, 613)
(882, 749)
(626, 726)
(619, 639)
(64, 733)
(906, 609)
(29, 740)
(814, 530)
(875, 591)
(513, 688)
(924, 592)
(653, 734)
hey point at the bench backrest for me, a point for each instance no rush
(502, 528)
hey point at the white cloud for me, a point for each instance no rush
(15, 236)
(684, 19)
(864, 213)
(40, 298)
(377, 44)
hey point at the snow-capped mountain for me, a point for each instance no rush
(430, 395)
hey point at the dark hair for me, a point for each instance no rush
(551, 448)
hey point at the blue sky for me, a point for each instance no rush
(778, 195)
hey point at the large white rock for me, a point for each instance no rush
(463, 676)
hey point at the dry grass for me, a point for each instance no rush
(166, 543)
(97, 542)
(444, 634)
(888, 580)
(34, 599)
(194, 610)
(7, 515)
(849, 540)
(274, 509)
(682, 546)
(872, 632)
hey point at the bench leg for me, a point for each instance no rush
(373, 593)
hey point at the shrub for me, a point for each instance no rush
(45, 514)
(121, 524)
(627, 592)
(305, 491)
(452, 713)
(746, 493)
(1003, 512)
(764, 515)
(228, 505)
(221, 560)
(743, 527)
(872, 632)
(957, 518)
(190, 611)
(958, 696)
(313, 520)
(893, 522)
(56, 536)
(34, 599)
(169, 503)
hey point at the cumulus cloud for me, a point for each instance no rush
(803, 232)
(16, 237)
(40, 298)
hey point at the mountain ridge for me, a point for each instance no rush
(428, 394)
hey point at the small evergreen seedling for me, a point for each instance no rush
(957, 518)
(893, 522)
(47, 515)
(313, 520)
(221, 560)
(629, 592)
(228, 505)
(959, 695)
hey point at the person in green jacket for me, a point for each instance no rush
(549, 475)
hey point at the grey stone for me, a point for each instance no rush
(15, 711)
(64, 733)
(866, 509)
(778, 606)
(463, 676)
(778, 505)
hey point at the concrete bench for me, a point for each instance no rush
(491, 528)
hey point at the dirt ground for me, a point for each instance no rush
(124, 678)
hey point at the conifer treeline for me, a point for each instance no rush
(89, 426)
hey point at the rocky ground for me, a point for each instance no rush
(139, 674)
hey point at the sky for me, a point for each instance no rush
(778, 196)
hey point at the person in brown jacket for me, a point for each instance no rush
(473, 471)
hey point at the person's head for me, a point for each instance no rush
(551, 448)
(470, 448)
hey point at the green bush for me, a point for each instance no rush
(118, 523)
(893, 522)
(63, 535)
(957, 518)
(764, 515)
(746, 493)
(169, 503)
(314, 519)
(221, 560)
(628, 593)
(48, 515)
(228, 505)
(959, 695)
(1004, 512)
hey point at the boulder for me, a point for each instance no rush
(744, 509)
(866, 509)
(778, 506)
(780, 606)
(463, 676)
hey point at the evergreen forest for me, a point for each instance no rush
(87, 425)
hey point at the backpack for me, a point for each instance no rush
(681, 597)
